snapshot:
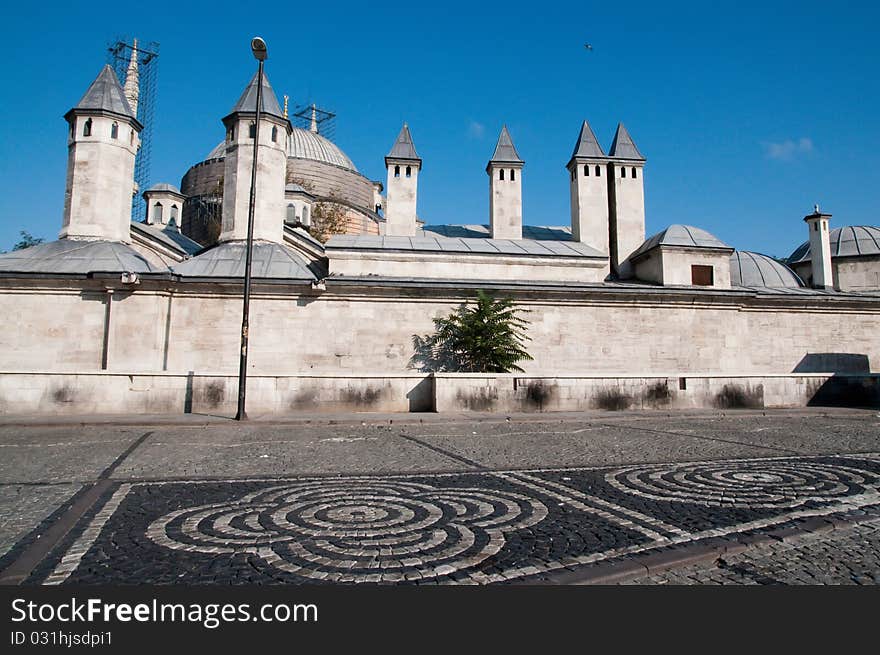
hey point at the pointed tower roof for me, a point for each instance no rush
(587, 145)
(404, 148)
(105, 95)
(623, 147)
(132, 87)
(247, 103)
(505, 151)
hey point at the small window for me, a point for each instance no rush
(586, 170)
(815, 227)
(397, 171)
(157, 212)
(512, 174)
(87, 127)
(291, 213)
(622, 172)
(702, 276)
(252, 131)
(682, 384)
(572, 175)
(305, 216)
(408, 171)
(114, 131)
(230, 134)
(501, 174)
(174, 213)
(131, 138)
(598, 171)
(274, 134)
(634, 173)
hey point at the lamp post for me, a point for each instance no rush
(258, 47)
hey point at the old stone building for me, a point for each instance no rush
(117, 316)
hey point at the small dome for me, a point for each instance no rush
(848, 241)
(752, 269)
(164, 186)
(304, 144)
(686, 236)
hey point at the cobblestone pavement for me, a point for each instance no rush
(463, 501)
(849, 556)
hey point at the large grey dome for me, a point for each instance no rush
(304, 144)
(848, 241)
(686, 236)
(752, 269)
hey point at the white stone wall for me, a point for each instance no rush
(356, 263)
(861, 274)
(191, 327)
(270, 207)
(505, 201)
(589, 203)
(100, 179)
(402, 196)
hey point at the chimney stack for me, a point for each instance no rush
(820, 249)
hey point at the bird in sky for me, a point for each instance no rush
(588, 46)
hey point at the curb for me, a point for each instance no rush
(706, 551)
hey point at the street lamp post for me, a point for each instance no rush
(258, 47)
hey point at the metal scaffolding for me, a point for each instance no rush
(118, 56)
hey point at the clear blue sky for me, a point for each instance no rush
(748, 113)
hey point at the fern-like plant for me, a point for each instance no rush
(487, 337)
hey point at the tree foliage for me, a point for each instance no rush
(328, 218)
(487, 337)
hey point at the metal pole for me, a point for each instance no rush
(241, 415)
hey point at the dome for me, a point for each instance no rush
(304, 144)
(685, 236)
(848, 241)
(752, 269)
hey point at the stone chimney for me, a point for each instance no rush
(820, 249)
(505, 189)
(403, 164)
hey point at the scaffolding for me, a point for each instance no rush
(118, 56)
(325, 121)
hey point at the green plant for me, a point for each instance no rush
(487, 337)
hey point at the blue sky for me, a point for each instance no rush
(748, 113)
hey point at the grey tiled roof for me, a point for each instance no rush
(752, 269)
(848, 241)
(505, 151)
(404, 148)
(169, 237)
(248, 100)
(623, 147)
(587, 145)
(77, 257)
(164, 186)
(681, 235)
(536, 241)
(270, 261)
(106, 94)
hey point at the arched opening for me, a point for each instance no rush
(174, 213)
(114, 131)
(622, 172)
(252, 131)
(501, 174)
(291, 213)
(408, 171)
(572, 175)
(131, 138)
(598, 171)
(306, 216)
(397, 171)
(87, 127)
(512, 174)
(586, 170)
(634, 172)
(274, 134)
(157, 213)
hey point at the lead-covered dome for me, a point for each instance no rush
(848, 241)
(304, 144)
(686, 236)
(752, 269)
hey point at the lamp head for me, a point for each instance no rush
(258, 47)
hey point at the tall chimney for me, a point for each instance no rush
(820, 249)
